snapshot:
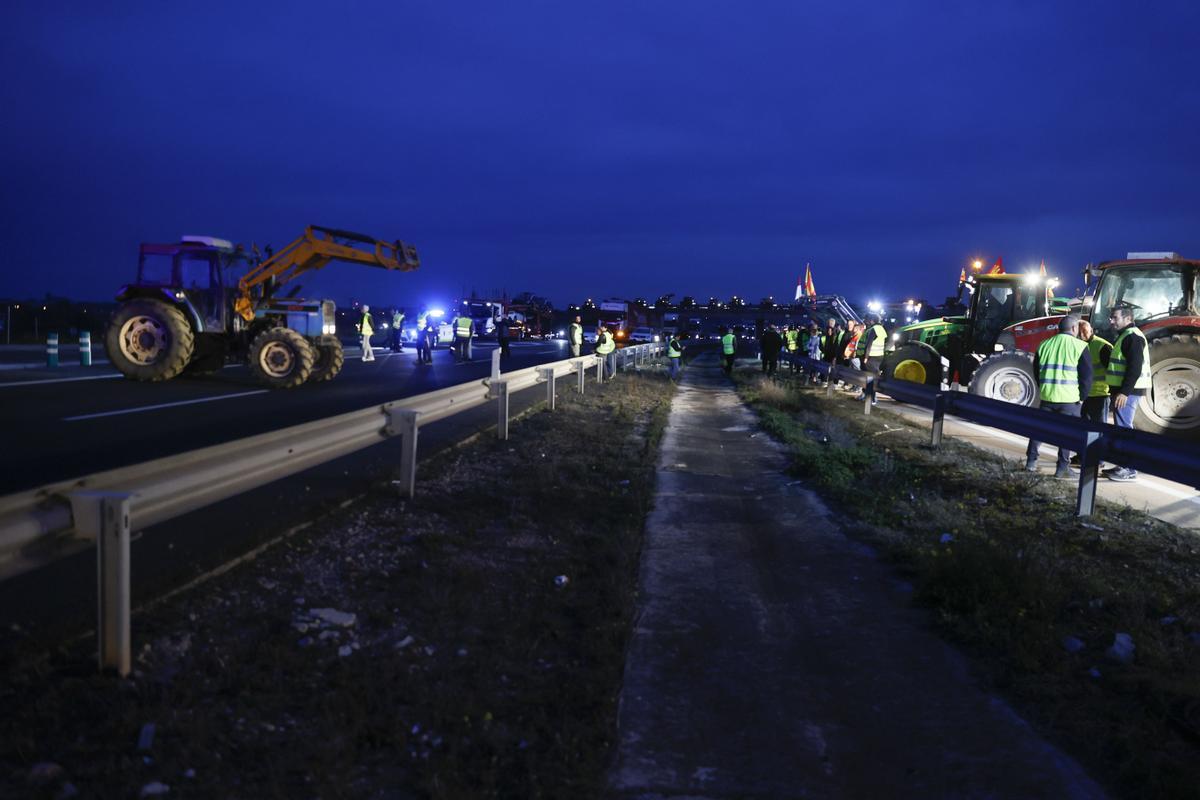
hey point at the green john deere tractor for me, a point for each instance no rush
(977, 350)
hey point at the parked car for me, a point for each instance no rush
(643, 335)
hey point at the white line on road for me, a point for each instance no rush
(59, 380)
(163, 405)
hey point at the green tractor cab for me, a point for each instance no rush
(976, 350)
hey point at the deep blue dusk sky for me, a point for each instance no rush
(602, 149)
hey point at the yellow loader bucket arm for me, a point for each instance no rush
(313, 250)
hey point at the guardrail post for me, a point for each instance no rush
(830, 380)
(1089, 472)
(548, 374)
(868, 396)
(600, 368)
(402, 422)
(580, 371)
(85, 348)
(502, 410)
(496, 364)
(939, 416)
(104, 516)
(52, 350)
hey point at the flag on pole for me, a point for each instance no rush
(998, 267)
(962, 275)
(1042, 269)
(809, 290)
(799, 287)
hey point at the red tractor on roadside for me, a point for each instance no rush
(1165, 291)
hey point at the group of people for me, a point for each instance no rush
(1082, 374)
(858, 344)
(426, 339)
(606, 348)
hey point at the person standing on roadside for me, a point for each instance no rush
(365, 331)
(1095, 407)
(503, 336)
(464, 329)
(1128, 375)
(770, 344)
(606, 350)
(728, 349)
(814, 345)
(426, 339)
(674, 354)
(397, 331)
(833, 335)
(1063, 366)
(871, 344)
(575, 337)
(791, 342)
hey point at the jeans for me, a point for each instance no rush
(1064, 456)
(674, 366)
(462, 348)
(1123, 417)
(610, 365)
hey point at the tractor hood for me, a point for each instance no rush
(930, 328)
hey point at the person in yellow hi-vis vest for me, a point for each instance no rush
(606, 348)
(1127, 375)
(365, 331)
(728, 350)
(1063, 367)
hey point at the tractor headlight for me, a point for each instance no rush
(329, 328)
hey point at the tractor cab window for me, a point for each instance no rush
(994, 311)
(1156, 291)
(157, 269)
(196, 271)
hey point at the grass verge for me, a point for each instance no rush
(1034, 593)
(470, 668)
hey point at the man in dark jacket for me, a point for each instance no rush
(770, 343)
(1128, 375)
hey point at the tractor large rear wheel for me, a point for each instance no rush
(1006, 376)
(281, 358)
(1172, 406)
(329, 360)
(149, 340)
(912, 363)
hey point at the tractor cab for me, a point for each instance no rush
(1159, 290)
(192, 274)
(998, 301)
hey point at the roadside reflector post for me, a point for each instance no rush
(496, 364)
(403, 422)
(548, 374)
(939, 416)
(829, 382)
(580, 371)
(85, 348)
(1089, 471)
(501, 392)
(868, 396)
(52, 350)
(104, 516)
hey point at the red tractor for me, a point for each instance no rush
(1165, 290)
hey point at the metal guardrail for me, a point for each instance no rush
(1095, 442)
(39, 525)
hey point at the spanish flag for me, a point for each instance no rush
(1042, 269)
(997, 268)
(809, 290)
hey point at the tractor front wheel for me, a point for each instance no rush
(1172, 406)
(281, 358)
(329, 360)
(912, 363)
(149, 340)
(1006, 376)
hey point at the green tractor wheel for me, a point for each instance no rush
(913, 363)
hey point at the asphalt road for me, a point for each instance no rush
(72, 421)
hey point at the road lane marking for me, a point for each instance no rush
(162, 405)
(59, 380)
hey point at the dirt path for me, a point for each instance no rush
(775, 657)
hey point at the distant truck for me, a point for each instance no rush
(188, 311)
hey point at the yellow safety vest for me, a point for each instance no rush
(1058, 368)
(673, 349)
(575, 333)
(365, 327)
(1116, 363)
(1099, 383)
(605, 344)
(728, 344)
(462, 327)
(793, 340)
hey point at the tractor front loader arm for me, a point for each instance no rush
(313, 250)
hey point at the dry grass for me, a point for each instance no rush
(469, 671)
(1011, 573)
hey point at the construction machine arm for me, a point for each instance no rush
(313, 250)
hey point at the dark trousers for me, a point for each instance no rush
(727, 363)
(1096, 409)
(770, 363)
(1064, 456)
(504, 346)
(462, 348)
